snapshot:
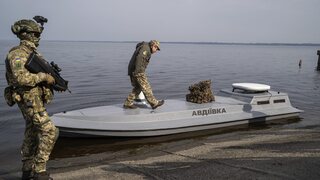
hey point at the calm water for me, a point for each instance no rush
(97, 75)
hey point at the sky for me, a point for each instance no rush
(231, 21)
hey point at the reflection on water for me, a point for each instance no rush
(74, 147)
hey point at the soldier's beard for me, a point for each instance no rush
(36, 42)
(31, 38)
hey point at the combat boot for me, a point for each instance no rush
(130, 106)
(26, 175)
(42, 176)
(160, 103)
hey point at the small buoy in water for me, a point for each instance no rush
(300, 63)
(318, 67)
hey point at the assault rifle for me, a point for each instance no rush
(36, 64)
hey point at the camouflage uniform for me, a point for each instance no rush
(31, 93)
(136, 71)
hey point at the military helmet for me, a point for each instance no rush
(24, 25)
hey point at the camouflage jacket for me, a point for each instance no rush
(140, 59)
(19, 77)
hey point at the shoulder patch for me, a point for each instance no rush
(17, 63)
(145, 53)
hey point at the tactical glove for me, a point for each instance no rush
(47, 77)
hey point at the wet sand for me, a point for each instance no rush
(274, 153)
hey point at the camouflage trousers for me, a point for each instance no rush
(140, 83)
(39, 137)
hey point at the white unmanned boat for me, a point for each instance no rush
(245, 103)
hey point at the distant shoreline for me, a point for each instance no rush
(268, 44)
(203, 43)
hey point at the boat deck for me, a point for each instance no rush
(170, 105)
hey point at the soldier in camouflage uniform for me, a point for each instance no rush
(31, 91)
(136, 71)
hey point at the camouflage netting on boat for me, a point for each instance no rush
(200, 92)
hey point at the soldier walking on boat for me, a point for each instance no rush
(31, 91)
(136, 70)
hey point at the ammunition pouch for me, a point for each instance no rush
(8, 95)
(47, 94)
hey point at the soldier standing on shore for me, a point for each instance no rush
(31, 91)
(136, 71)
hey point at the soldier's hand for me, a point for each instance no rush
(49, 79)
(46, 77)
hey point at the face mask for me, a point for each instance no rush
(32, 37)
(35, 38)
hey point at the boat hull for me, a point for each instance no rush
(175, 116)
(71, 132)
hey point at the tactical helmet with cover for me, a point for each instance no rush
(26, 29)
